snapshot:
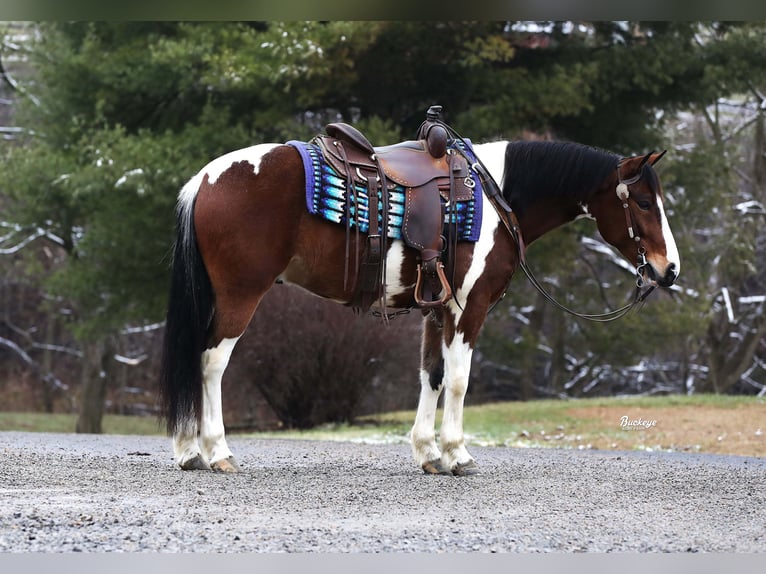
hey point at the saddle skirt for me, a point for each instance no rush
(326, 197)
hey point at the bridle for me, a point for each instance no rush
(623, 193)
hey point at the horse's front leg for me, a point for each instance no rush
(457, 367)
(423, 437)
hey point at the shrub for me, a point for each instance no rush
(313, 361)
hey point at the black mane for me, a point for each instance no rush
(536, 170)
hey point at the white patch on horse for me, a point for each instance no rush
(492, 155)
(253, 155)
(671, 250)
(394, 271)
(481, 249)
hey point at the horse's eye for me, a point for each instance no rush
(644, 204)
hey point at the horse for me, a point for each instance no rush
(243, 226)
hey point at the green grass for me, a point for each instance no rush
(499, 423)
(65, 423)
(533, 423)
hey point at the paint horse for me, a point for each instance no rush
(243, 226)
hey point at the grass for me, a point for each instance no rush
(65, 423)
(698, 423)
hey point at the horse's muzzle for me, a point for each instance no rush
(665, 280)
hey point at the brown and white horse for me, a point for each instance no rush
(243, 226)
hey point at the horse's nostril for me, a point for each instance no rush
(670, 275)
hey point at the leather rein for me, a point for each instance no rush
(511, 224)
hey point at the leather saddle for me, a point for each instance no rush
(429, 172)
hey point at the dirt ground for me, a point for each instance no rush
(739, 430)
(67, 493)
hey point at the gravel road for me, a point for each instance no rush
(69, 493)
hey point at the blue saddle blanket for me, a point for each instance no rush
(326, 197)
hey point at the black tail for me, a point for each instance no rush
(190, 309)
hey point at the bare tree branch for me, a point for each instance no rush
(41, 346)
(49, 378)
(9, 79)
(143, 329)
(16, 229)
(21, 353)
(22, 244)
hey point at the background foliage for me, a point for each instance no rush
(104, 122)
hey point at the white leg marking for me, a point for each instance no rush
(185, 446)
(422, 436)
(214, 363)
(457, 365)
(670, 243)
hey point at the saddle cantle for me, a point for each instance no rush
(432, 175)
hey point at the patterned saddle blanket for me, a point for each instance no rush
(326, 197)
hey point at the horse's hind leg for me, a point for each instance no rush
(229, 323)
(423, 438)
(231, 319)
(212, 434)
(215, 452)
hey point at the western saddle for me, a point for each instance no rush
(428, 171)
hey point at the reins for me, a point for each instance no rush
(510, 222)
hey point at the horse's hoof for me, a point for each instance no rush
(467, 469)
(435, 467)
(196, 463)
(228, 465)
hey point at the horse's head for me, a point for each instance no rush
(631, 216)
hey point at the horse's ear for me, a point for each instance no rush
(645, 159)
(657, 157)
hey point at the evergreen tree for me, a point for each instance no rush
(118, 115)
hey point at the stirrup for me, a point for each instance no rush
(445, 290)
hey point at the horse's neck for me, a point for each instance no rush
(546, 215)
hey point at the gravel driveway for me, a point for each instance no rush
(66, 492)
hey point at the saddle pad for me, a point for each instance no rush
(326, 197)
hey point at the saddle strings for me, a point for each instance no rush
(505, 213)
(350, 195)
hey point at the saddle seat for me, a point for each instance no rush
(429, 172)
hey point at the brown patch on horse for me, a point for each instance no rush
(236, 212)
